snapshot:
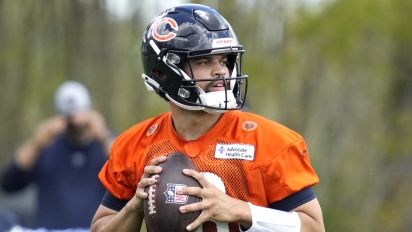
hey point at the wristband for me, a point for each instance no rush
(273, 220)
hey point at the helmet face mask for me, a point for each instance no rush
(180, 35)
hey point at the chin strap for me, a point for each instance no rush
(219, 99)
(273, 220)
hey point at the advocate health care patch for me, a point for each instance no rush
(235, 151)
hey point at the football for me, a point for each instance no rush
(161, 208)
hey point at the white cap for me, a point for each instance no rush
(71, 97)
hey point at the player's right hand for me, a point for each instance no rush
(147, 178)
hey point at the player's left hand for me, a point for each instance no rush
(215, 204)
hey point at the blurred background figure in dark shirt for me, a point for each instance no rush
(62, 159)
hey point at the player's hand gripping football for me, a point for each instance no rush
(147, 180)
(215, 204)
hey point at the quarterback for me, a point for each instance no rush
(259, 176)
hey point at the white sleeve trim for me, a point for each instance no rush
(273, 220)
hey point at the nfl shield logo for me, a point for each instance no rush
(172, 196)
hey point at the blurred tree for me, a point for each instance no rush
(41, 46)
(344, 80)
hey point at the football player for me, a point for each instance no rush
(255, 173)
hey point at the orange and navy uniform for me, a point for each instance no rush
(258, 160)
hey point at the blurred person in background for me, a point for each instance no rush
(63, 158)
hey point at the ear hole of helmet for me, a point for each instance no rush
(159, 74)
(189, 93)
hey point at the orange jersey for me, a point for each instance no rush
(258, 160)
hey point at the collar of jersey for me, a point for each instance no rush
(216, 131)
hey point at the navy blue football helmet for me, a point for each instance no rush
(175, 37)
